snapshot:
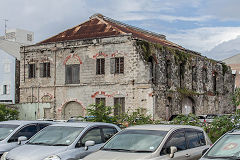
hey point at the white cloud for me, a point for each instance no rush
(204, 39)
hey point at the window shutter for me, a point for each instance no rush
(68, 74)
(121, 65)
(34, 70)
(48, 70)
(75, 73)
(112, 65)
(41, 69)
(103, 66)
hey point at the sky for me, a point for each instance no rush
(211, 27)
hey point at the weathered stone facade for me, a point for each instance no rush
(164, 80)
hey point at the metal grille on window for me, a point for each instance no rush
(119, 65)
(119, 105)
(100, 66)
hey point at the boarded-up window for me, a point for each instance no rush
(45, 69)
(100, 100)
(31, 70)
(72, 74)
(100, 66)
(119, 105)
(117, 65)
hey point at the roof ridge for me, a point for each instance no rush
(129, 26)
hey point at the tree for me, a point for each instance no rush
(7, 113)
(236, 97)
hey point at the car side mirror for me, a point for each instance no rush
(89, 143)
(173, 149)
(21, 139)
(204, 151)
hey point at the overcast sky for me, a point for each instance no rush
(211, 27)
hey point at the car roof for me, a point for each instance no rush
(82, 124)
(23, 122)
(163, 127)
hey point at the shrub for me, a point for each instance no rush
(189, 119)
(7, 113)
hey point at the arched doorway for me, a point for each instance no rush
(72, 109)
(188, 105)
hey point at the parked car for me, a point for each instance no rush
(13, 131)
(226, 147)
(155, 142)
(64, 141)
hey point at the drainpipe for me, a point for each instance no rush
(55, 67)
(38, 110)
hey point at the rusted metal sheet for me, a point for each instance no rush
(100, 26)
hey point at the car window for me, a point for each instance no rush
(108, 133)
(93, 135)
(41, 126)
(178, 140)
(193, 140)
(27, 131)
(201, 138)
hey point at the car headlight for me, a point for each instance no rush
(4, 156)
(53, 157)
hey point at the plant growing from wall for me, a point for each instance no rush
(7, 113)
(187, 92)
(224, 68)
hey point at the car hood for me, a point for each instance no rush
(114, 155)
(5, 147)
(34, 152)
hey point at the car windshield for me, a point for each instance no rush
(136, 141)
(6, 129)
(56, 136)
(228, 146)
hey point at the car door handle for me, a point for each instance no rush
(187, 155)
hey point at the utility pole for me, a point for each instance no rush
(5, 22)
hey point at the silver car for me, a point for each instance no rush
(155, 142)
(64, 141)
(13, 131)
(227, 147)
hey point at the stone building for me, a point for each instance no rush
(106, 60)
(234, 63)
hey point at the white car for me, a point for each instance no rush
(155, 142)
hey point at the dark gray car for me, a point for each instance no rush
(10, 131)
(64, 141)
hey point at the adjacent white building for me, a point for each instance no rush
(10, 45)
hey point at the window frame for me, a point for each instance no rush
(100, 100)
(100, 66)
(71, 68)
(119, 65)
(45, 70)
(118, 111)
(31, 70)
